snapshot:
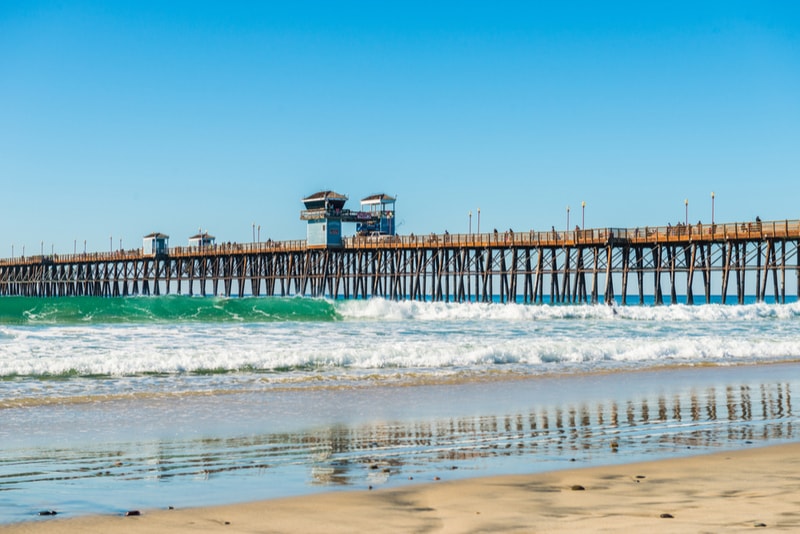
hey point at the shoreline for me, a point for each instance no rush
(732, 490)
(458, 378)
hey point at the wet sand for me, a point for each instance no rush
(734, 491)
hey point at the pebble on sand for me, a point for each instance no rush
(667, 516)
(578, 487)
(132, 513)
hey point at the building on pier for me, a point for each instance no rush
(155, 244)
(324, 213)
(377, 215)
(201, 240)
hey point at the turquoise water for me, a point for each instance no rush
(182, 309)
(109, 404)
(168, 309)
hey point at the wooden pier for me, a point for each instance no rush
(730, 261)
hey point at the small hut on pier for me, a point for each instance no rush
(202, 240)
(155, 244)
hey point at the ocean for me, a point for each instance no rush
(108, 405)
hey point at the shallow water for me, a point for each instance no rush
(160, 409)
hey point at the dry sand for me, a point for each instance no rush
(732, 491)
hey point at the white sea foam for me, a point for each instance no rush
(381, 309)
(418, 337)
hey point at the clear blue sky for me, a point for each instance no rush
(122, 118)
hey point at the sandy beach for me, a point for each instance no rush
(729, 491)
(409, 440)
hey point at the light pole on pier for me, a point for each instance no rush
(12, 251)
(567, 218)
(42, 253)
(712, 208)
(75, 246)
(254, 232)
(470, 222)
(686, 219)
(84, 246)
(479, 221)
(111, 243)
(259, 233)
(583, 215)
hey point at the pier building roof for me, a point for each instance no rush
(323, 199)
(381, 198)
(204, 235)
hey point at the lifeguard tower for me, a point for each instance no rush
(324, 213)
(376, 216)
(201, 240)
(155, 244)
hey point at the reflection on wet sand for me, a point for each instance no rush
(374, 453)
(548, 435)
(701, 419)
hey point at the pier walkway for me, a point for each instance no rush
(730, 260)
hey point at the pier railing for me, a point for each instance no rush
(787, 229)
(752, 230)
